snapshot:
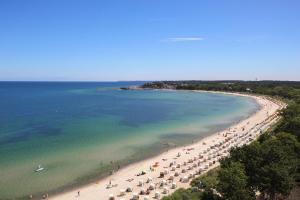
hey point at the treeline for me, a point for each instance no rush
(267, 168)
(286, 89)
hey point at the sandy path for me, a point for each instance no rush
(210, 148)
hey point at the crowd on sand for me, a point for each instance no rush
(177, 167)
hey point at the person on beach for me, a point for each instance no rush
(78, 193)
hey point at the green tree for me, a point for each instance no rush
(208, 194)
(251, 158)
(292, 125)
(279, 166)
(233, 182)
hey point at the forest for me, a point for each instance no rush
(268, 168)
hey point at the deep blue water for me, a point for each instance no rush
(71, 128)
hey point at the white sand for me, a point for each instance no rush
(239, 134)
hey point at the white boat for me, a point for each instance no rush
(39, 169)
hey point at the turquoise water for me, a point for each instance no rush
(80, 131)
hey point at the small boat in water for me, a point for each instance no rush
(39, 169)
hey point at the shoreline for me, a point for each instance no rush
(98, 190)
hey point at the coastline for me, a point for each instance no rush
(98, 190)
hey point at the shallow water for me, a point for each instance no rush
(79, 131)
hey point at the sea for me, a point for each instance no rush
(78, 132)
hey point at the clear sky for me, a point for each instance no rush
(149, 39)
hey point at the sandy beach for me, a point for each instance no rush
(161, 175)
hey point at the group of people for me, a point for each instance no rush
(196, 165)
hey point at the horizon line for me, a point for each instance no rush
(111, 81)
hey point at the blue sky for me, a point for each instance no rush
(149, 39)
